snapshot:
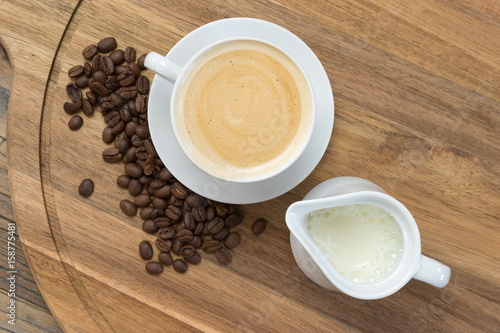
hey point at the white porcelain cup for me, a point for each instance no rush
(343, 191)
(182, 76)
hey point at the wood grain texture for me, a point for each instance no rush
(416, 89)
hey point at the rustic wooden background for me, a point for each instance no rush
(417, 96)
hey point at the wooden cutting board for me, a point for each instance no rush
(417, 112)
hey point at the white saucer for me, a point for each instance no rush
(197, 180)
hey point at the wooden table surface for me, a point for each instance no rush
(417, 111)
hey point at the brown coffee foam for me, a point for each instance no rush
(247, 107)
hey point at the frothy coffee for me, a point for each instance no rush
(244, 108)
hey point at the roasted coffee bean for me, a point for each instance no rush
(205, 231)
(72, 108)
(111, 155)
(142, 131)
(75, 123)
(121, 69)
(129, 156)
(165, 175)
(145, 180)
(100, 76)
(113, 117)
(215, 225)
(184, 235)
(127, 92)
(74, 92)
(89, 52)
(221, 234)
(106, 65)
(107, 44)
(167, 233)
(95, 62)
(180, 226)
(92, 98)
(143, 84)
(123, 144)
(133, 170)
(179, 190)
(157, 183)
(160, 203)
(210, 213)
(135, 69)
(259, 226)
(87, 107)
(189, 221)
(199, 213)
(126, 78)
(195, 259)
(163, 192)
(196, 241)
(165, 258)
(176, 246)
(140, 61)
(128, 207)
(141, 104)
(180, 266)
(162, 221)
(82, 81)
(141, 153)
(223, 256)
(233, 220)
(86, 187)
(222, 209)
(187, 251)
(87, 69)
(163, 245)
(142, 200)
(136, 140)
(125, 114)
(199, 228)
(154, 267)
(231, 240)
(123, 181)
(145, 250)
(157, 213)
(107, 135)
(75, 71)
(173, 212)
(107, 104)
(99, 89)
(112, 83)
(146, 212)
(149, 226)
(134, 187)
(149, 165)
(130, 54)
(117, 56)
(194, 200)
(211, 246)
(118, 128)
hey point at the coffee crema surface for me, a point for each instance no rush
(246, 109)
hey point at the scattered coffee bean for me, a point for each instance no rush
(75, 71)
(233, 220)
(195, 259)
(87, 108)
(259, 226)
(180, 266)
(149, 226)
(86, 188)
(75, 123)
(72, 108)
(89, 52)
(117, 56)
(140, 61)
(165, 258)
(111, 155)
(154, 267)
(130, 54)
(128, 207)
(74, 92)
(106, 45)
(223, 256)
(142, 200)
(231, 240)
(164, 245)
(210, 246)
(145, 250)
(184, 235)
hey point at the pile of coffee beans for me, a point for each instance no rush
(183, 221)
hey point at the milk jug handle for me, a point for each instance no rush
(433, 272)
(162, 66)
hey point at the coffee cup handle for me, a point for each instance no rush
(433, 272)
(162, 66)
